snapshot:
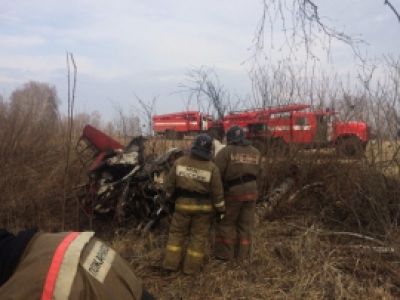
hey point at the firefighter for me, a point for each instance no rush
(239, 164)
(195, 182)
(66, 265)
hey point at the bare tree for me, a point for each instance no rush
(203, 85)
(284, 68)
(68, 144)
(147, 109)
(32, 111)
(125, 125)
(303, 28)
(81, 119)
(293, 70)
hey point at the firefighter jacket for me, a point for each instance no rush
(240, 167)
(196, 185)
(71, 265)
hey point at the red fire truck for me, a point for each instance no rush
(176, 125)
(276, 127)
(300, 125)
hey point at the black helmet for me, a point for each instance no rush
(235, 135)
(201, 146)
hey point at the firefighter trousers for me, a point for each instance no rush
(233, 234)
(184, 226)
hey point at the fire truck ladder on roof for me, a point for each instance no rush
(275, 109)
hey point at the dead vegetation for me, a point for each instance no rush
(335, 240)
(33, 156)
(333, 235)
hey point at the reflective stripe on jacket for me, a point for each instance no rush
(236, 162)
(199, 177)
(71, 265)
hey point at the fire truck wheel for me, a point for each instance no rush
(349, 147)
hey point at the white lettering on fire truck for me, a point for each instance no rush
(287, 128)
(279, 128)
(193, 173)
(301, 127)
(245, 158)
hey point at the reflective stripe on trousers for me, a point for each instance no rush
(245, 242)
(174, 248)
(223, 240)
(194, 207)
(194, 253)
(242, 197)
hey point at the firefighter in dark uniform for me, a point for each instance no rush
(240, 167)
(65, 265)
(195, 182)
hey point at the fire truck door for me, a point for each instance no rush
(301, 131)
(257, 130)
(321, 134)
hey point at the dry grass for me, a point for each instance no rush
(327, 243)
(158, 145)
(385, 156)
(288, 261)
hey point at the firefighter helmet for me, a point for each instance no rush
(235, 135)
(202, 146)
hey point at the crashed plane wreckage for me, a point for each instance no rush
(122, 187)
(125, 189)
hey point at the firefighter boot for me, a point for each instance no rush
(178, 230)
(245, 227)
(225, 231)
(200, 228)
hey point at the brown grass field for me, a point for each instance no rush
(336, 241)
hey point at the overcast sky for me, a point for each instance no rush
(123, 47)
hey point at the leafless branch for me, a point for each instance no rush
(71, 102)
(203, 84)
(339, 233)
(302, 25)
(376, 249)
(388, 3)
(148, 110)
